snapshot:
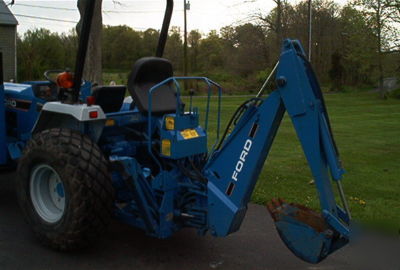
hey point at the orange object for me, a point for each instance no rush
(65, 80)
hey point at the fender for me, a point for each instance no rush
(89, 120)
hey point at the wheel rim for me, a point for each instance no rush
(47, 193)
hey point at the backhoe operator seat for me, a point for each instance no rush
(109, 98)
(146, 73)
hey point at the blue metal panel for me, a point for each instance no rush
(233, 171)
(86, 91)
(23, 104)
(19, 89)
(184, 147)
(306, 113)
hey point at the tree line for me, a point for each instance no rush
(353, 46)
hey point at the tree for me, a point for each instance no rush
(122, 47)
(378, 15)
(357, 43)
(336, 72)
(394, 7)
(211, 52)
(394, 16)
(194, 43)
(174, 48)
(149, 42)
(93, 61)
(39, 50)
(277, 21)
(345, 47)
(251, 52)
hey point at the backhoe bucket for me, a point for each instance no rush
(304, 231)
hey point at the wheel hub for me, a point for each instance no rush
(47, 193)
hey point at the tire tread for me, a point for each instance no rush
(92, 194)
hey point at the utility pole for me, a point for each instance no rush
(185, 44)
(309, 29)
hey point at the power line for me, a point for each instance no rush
(47, 7)
(105, 11)
(135, 11)
(40, 18)
(28, 23)
(60, 20)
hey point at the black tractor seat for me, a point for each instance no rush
(109, 98)
(146, 73)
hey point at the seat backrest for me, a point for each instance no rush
(109, 98)
(146, 73)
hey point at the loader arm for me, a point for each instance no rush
(233, 170)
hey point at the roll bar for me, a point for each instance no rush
(82, 49)
(165, 27)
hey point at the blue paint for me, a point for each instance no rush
(60, 190)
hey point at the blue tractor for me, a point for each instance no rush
(86, 154)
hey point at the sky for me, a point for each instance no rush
(204, 15)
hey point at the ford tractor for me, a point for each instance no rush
(87, 154)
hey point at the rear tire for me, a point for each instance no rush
(64, 189)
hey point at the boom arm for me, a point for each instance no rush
(234, 169)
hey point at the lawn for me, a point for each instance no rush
(367, 131)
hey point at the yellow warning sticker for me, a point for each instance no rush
(189, 134)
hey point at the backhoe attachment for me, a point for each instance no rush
(234, 168)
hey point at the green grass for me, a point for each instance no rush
(367, 131)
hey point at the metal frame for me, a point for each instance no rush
(176, 80)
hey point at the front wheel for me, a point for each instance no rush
(64, 189)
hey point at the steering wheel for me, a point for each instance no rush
(52, 71)
(57, 71)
